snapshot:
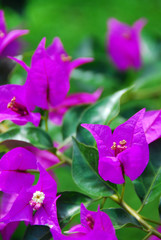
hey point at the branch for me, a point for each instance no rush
(136, 215)
(151, 220)
(63, 157)
(147, 236)
(103, 202)
(56, 165)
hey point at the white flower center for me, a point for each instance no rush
(37, 200)
(38, 197)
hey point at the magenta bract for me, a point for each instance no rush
(8, 41)
(13, 106)
(48, 77)
(123, 152)
(94, 225)
(152, 125)
(36, 205)
(6, 201)
(8, 230)
(12, 170)
(56, 114)
(124, 43)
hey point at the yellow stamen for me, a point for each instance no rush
(65, 58)
(114, 146)
(122, 143)
(10, 104)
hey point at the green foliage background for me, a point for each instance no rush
(74, 20)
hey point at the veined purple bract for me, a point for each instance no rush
(48, 77)
(94, 225)
(123, 152)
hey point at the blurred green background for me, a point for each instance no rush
(81, 25)
(74, 21)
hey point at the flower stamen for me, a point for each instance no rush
(65, 58)
(90, 221)
(37, 200)
(17, 107)
(119, 148)
(114, 146)
(122, 143)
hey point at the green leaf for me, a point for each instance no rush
(103, 112)
(117, 121)
(3, 149)
(91, 80)
(120, 218)
(37, 232)
(150, 50)
(35, 136)
(160, 207)
(85, 171)
(71, 120)
(149, 83)
(148, 185)
(68, 205)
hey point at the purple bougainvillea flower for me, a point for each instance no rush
(8, 41)
(6, 201)
(12, 170)
(36, 205)
(123, 152)
(94, 225)
(13, 106)
(56, 114)
(124, 43)
(152, 125)
(48, 77)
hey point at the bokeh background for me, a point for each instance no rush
(74, 21)
(82, 27)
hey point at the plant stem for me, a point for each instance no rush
(123, 191)
(140, 208)
(46, 120)
(56, 165)
(147, 236)
(94, 200)
(136, 215)
(31, 171)
(48, 169)
(151, 220)
(103, 202)
(67, 141)
(63, 157)
(147, 194)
